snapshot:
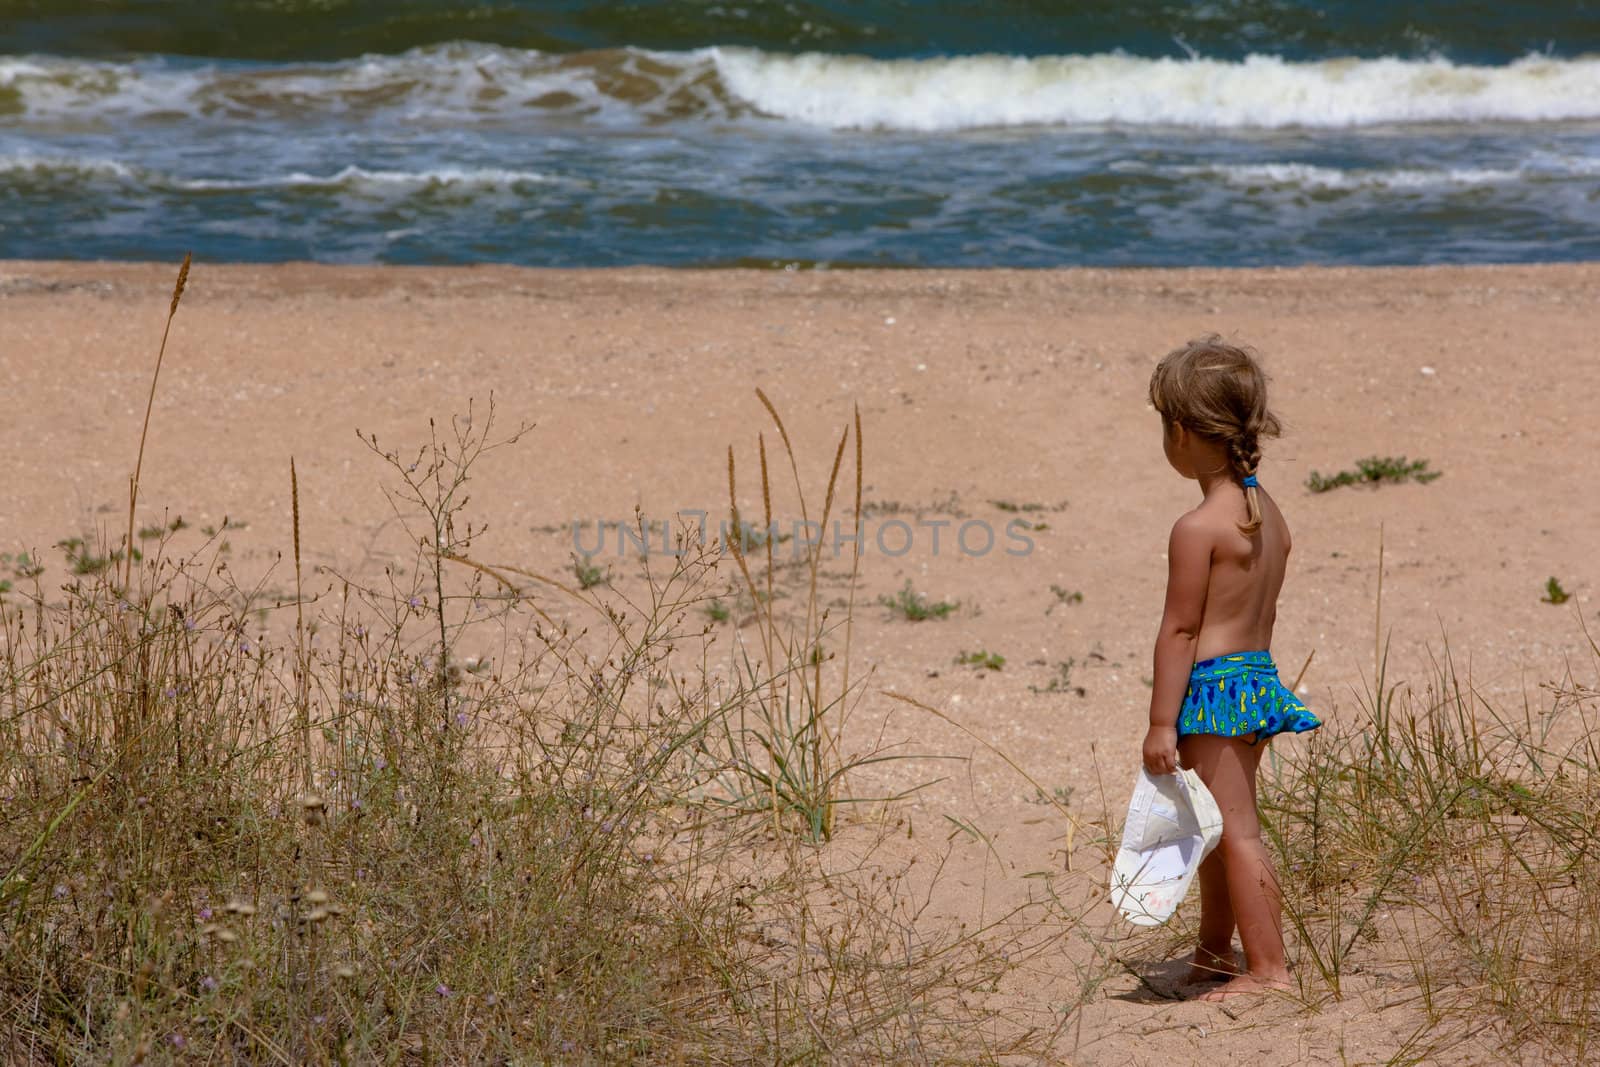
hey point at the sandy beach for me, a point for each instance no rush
(985, 397)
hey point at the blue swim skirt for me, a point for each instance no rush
(1240, 694)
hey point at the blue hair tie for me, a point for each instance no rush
(1250, 481)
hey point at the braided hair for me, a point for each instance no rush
(1218, 391)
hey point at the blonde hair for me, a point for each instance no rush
(1217, 391)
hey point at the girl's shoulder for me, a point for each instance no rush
(1200, 526)
(1197, 519)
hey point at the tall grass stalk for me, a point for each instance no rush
(144, 431)
(787, 711)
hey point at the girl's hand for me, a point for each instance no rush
(1161, 750)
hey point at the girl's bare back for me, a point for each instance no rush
(1246, 575)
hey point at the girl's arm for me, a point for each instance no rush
(1188, 574)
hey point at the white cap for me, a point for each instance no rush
(1173, 823)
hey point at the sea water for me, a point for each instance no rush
(844, 133)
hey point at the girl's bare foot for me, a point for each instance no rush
(1209, 966)
(1245, 983)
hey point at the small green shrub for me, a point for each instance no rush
(1063, 596)
(992, 661)
(1374, 470)
(913, 607)
(1553, 593)
(587, 573)
(1062, 681)
(1061, 795)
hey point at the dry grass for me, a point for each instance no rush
(1458, 845)
(354, 843)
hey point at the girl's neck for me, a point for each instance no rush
(1212, 470)
(1211, 480)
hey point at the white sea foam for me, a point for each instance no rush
(456, 82)
(1311, 176)
(847, 92)
(473, 179)
(483, 83)
(361, 178)
(42, 165)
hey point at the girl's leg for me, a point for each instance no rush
(1213, 958)
(1228, 767)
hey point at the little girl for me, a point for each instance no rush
(1216, 693)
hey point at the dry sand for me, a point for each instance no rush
(974, 387)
